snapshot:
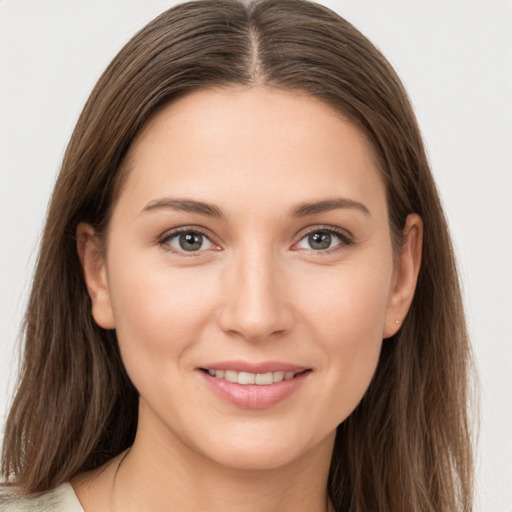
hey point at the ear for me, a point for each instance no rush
(405, 275)
(95, 274)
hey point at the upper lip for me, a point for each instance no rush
(251, 367)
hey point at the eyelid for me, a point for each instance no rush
(345, 237)
(168, 235)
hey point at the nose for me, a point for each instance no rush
(256, 303)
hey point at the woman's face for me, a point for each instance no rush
(249, 275)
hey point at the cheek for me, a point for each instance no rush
(348, 303)
(346, 315)
(149, 293)
(159, 314)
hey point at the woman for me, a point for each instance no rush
(246, 296)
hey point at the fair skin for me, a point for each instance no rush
(285, 262)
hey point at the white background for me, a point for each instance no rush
(455, 58)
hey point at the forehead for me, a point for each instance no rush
(259, 142)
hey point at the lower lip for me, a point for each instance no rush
(252, 396)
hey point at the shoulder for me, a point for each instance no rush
(61, 499)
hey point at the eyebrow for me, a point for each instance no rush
(305, 209)
(210, 210)
(185, 205)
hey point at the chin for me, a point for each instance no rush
(266, 451)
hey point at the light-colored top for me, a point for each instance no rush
(62, 499)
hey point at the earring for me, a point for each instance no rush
(397, 322)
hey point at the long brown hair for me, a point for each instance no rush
(406, 447)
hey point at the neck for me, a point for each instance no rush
(158, 475)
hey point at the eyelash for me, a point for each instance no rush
(344, 238)
(167, 237)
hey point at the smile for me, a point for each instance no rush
(265, 386)
(247, 378)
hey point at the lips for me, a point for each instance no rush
(254, 386)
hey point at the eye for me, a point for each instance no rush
(323, 240)
(188, 241)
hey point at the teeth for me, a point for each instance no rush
(231, 376)
(263, 379)
(246, 378)
(278, 376)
